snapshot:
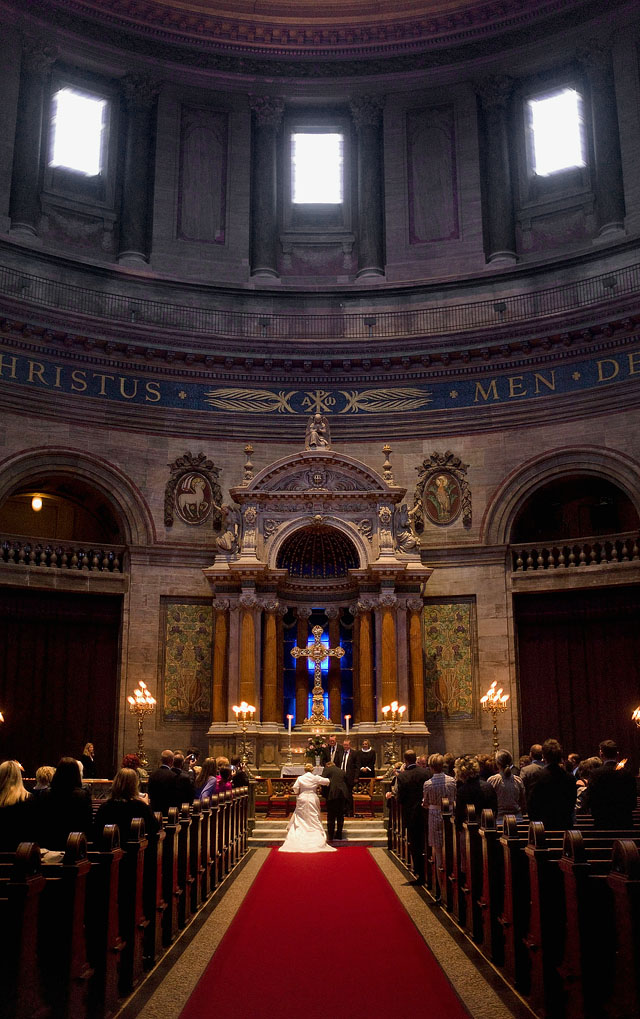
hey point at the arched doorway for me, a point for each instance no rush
(61, 598)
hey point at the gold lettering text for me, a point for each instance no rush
(123, 383)
(516, 387)
(36, 368)
(9, 363)
(103, 380)
(59, 369)
(491, 391)
(549, 383)
(152, 392)
(602, 377)
(634, 363)
(79, 383)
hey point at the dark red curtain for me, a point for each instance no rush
(58, 675)
(579, 668)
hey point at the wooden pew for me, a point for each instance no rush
(64, 969)
(223, 845)
(624, 882)
(184, 866)
(514, 918)
(21, 886)
(154, 903)
(104, 943)
(471, 879)
(214, 841)
(492, 897)
(205, 849)
(171, 890)
(448, 836)
(131, 909)
(195, 855)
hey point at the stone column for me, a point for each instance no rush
(267, 118)
(136, 213)
(247, 669)
(282, 611)
(335, 678)
(367, 117)
(271, 712)
(219, 665)
(365, 663)
(302, 667)
(416, 660)
(24, 205)
(388, 660)
(609, 186)
(499, 225)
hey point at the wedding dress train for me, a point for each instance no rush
(305, 832)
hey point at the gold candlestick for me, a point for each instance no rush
(494, 701)
(397, 711)
(141, 704)
(244, 712)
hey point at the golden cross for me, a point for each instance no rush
(317, 652)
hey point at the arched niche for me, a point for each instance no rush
(521, 485)
(49, 469)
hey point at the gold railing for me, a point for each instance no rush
(576, 553)
(51, 553)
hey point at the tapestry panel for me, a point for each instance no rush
(448, 641)
(186, 666)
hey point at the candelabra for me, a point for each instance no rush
(636, 716)
(244, 712)
(397, 711)
(141, 704)
(494, 701)
(289, 721)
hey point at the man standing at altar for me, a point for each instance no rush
(332, 752)
(348, 763)
(367, 760)
(337, 794)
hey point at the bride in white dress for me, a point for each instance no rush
(305, 833)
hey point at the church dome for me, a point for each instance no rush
(318, 553)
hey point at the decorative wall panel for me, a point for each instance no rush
(187, 625)
(203, 175)
(432, 175)
(449, 647)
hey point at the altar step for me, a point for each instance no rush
(357, 832)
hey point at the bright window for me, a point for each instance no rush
(317, 168)
(77, 123)
(557, 132)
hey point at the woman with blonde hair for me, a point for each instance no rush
(305, 832)
(17, 819)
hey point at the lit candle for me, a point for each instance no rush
(347, 719)
(289, 719)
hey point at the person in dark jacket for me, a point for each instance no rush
(17, 814)
(472, 789)
(65, 808)
(611, 794)
(409, 787)
(337, 796)
(552, 794)
(88, 762)
(162, 787)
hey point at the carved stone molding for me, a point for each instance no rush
(495, 91)
(271, 605)
(248, 600)
(38, 55)
(442, 493)
(202, 475)
(332, 612)
(415, 604)
(387, 600)
(139, 91)
(363, 605)
(367, 111)
(220, 604)
(268, 110)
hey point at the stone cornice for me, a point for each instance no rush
(309, 43)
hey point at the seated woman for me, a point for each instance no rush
(224, 779)
(43, 779)
(305, 833)
(122, 805)
(207, 781)
(17, 816)
(64, 808)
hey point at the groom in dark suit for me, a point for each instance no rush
(336, 794)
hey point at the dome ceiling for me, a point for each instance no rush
(289, 29)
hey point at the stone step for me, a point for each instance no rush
(357, 831)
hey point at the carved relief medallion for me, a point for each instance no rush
(442, 498)
(193, 498)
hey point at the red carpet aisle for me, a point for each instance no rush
(323, 932)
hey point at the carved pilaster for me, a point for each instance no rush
(367, 117)
(220, 659)
(140, 94)
(416, 659)
(267, 117)
(499, 226)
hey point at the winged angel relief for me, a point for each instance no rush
(369, 401)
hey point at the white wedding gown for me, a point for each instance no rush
(305, 833)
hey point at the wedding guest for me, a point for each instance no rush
(64, 807)
(435, 789)
(224, 779)
(133, 761)
(349, 764)
(509, 788)
(552, 796)
(239, 776)
(17, 816)
(122, 805)
(43, 779)
(207, 780)
(611, 795)
(410, 786)
(531, 771)
(87, 760)
(337, 794)
(472, 788)
(163, 785)
(585, 771)
(184, 783)
(450, 764)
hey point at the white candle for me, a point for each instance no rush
(347, 719)
(289, 717)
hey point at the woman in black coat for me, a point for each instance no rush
(122, 805)
(66, 807)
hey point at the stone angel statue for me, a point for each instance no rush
(406, 539)
(317, 435)
(229, 540)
